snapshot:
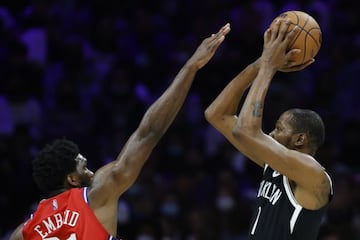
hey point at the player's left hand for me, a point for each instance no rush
(276, 40)
(290, 67)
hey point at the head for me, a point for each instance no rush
(61, 166)
(300, 129)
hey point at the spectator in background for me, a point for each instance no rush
(152, 39)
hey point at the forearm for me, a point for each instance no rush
(163, 111)
(153, 125)
(252, 112)
(229, 99)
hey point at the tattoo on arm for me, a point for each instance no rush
(258, 109)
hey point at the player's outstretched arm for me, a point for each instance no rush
(115, 178)
(247, 131)
(258, 146)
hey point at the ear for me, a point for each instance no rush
(73, 180)
(300, 139)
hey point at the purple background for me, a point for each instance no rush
(88, 70)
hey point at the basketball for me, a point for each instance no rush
(308, 39)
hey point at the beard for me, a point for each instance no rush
(85, 181)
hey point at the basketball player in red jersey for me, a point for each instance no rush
(295, 189)
(83, 205)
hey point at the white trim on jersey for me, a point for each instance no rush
(85, 195)
(293, 201)
(331, 184)
(265, 167)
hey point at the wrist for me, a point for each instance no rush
(266, 66)
(191, 66)
(267, 70)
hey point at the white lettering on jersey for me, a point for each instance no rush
(270, 191)
(275, 174)
(55, 221)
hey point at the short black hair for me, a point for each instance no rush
(310, 122)
(53, 163)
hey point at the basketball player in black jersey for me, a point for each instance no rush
(295, 190)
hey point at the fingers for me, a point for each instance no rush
(293, 52)
(304, 65)
(225, 29)
(267, 35)
(275, 29)
(280, 30)
(293, 67)
(290, 36)
(208, 47)
(284, 26)
(220, 35)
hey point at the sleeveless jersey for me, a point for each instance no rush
(66, 216)
(278, 216)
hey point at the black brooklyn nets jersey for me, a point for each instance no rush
(278, 216)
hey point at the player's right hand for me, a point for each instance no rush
(208, 47)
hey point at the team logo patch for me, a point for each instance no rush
(54, 204)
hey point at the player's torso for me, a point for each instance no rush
(277, 213)
(66, 216)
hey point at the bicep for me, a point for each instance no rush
(113, 179)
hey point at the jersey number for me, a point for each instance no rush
(72, 237)
(256, 221)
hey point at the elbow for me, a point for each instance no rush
(241, 132)
(214, 119)
(237, 132)
(209, 115)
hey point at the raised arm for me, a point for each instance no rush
(115, 178)
(301, 168)
(222, 112)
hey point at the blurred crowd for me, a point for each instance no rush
(88, 70)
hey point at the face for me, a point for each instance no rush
(85, 175)
(283, 131)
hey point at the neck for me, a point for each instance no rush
(56, 192)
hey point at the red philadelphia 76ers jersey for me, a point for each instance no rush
(66, 216)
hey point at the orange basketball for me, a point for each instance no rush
(308, 39)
